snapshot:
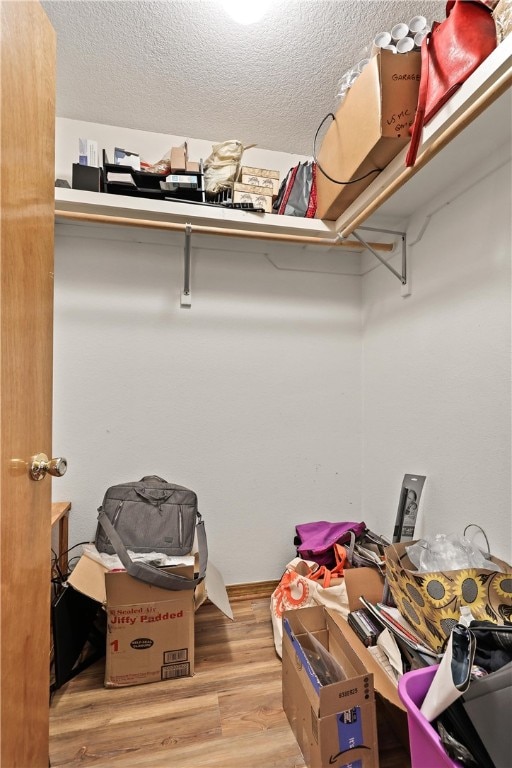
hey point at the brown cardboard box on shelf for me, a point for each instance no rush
(179, 158)
(260, 177)
(150, 630)
(261, 197)
(370, 128)
(192, 167)
(334, 724)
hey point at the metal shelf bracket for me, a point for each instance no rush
(186, 298)
(402, 276)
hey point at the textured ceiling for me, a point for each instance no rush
(184, 67)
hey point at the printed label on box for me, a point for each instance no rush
(261, 181)
(173, 671)
(141, 643)
(259, 201)
(350, 731)
(141, 614)
(170, 657)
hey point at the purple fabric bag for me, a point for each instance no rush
(315, 540)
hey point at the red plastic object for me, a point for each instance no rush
(424, 742)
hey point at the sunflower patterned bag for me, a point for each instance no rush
(431, 601)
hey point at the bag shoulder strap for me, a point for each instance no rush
(149, 573)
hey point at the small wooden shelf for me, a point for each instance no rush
(60, 517)
(465, 132)
(59, 509)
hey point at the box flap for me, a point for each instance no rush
(363, 581)
(325, 699)
(216, 590)
(88, 577)
(312, 618)
(123, 589)
(343, 650)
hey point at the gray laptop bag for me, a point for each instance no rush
(152, 515)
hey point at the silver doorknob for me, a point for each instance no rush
(41, 464)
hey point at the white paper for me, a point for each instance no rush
(112, 562)
(381, 659)
(442, 691)
(125, 178)
(388, 644)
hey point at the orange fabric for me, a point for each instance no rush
(324, 575)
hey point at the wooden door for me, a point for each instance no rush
(27, 115)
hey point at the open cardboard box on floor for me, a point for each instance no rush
(307, 713)
(150, 630)
(334, 724)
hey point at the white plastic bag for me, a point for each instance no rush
(447, 552)
(222, 166)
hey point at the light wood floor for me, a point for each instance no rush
(228, 715)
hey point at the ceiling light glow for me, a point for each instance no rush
(246, 11)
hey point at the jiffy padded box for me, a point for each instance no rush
(370, 128)
(150, 630)
(335, 725)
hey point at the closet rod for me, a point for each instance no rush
(471, 113)
(97, 218)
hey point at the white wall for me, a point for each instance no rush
(436, 368)
(151, 146)
(251, 397)
(266, 397)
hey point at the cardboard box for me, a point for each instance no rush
(370, 129)
(365, 582)
(179, 158)
(390, 709)
(334, 724)
(193, 167)
(261, 197)
(260, 177)
(150, 630)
